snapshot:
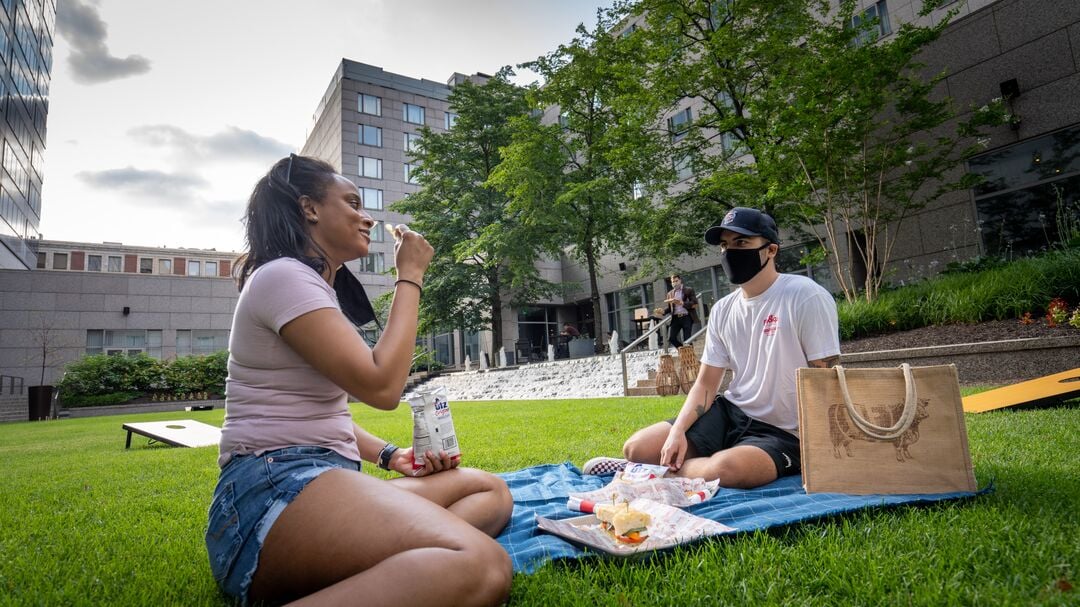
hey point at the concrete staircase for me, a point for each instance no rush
(14, 408)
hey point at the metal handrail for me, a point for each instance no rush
(11, 384)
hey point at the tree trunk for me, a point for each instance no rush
(496, 315)
(594, 295)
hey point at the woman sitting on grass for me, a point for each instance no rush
(292, 516)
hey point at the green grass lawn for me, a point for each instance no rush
(85, 522)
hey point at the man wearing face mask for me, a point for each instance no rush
(770, 326)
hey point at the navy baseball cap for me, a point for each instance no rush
(745, 221)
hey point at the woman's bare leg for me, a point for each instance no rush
(478, 497)
(349, 537)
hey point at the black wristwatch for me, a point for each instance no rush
(387, 452)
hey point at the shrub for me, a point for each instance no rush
(995, 292)
(106, 377)
(99, 400)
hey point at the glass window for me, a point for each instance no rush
(539, 325)
(371, 167)
(200, 342)
(210, 268)
(194, 268)
(93, 263)
(146, 265)
(414, 114)
(165, 266)
(115, 263)
(621, 306)
(444, 348)
(95, 340)
(41, 257)
(1029, 196)
(449, 120)
(471, 343)
(372, 263)
(638, 190)
(371, 135)
(684, 168)
(378, 232)
(411, 139)
(679, 124)
(410, 172)
(372, 198)
(564, 120)
(370, 104)
(879, 11)
(128, 342)
(59, 261)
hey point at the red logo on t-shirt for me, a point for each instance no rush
(772, 323)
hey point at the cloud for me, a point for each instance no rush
(155, 186)
(233, 143)
(81, 25)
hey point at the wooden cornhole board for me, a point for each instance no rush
(1032, 392)
(178, 433)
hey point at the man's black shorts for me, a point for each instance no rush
(725, 425)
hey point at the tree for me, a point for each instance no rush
(574, 175)
(806, 113)
(48, 345)
(483, 251)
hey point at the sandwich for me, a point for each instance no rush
(623, 522)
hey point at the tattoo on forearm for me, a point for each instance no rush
(825, 363)
(700, 410)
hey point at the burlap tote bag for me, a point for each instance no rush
(893, 430)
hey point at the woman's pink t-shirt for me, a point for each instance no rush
(275, 399)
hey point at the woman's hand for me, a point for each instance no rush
(412, 253)
(402, 462)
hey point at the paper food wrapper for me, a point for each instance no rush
(669, 527)
(646, 481)
(433, 427)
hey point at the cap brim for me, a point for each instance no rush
(712, 235)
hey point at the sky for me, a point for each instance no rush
(163, 115)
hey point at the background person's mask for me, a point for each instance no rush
(742, 265)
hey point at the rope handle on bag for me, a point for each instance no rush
(883, 432)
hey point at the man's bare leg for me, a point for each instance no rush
(740, 467)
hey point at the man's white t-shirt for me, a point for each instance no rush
(764, 339)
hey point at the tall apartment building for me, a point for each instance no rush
(26, 43)
(365, 125)
(1025, 50)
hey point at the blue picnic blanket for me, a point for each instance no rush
(543, 490)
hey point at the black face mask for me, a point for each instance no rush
(742, 265)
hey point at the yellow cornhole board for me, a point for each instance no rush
(178, 433)
(1035, 391)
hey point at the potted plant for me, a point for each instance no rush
(41, 395)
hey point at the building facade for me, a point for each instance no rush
(1027, 51)
(85, 298)
(27, 28)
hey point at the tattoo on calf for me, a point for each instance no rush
(700, 409)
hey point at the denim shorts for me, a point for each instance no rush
(251, 493)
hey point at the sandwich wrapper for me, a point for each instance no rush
(669, 527)
(645, 488)
(646, 481)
